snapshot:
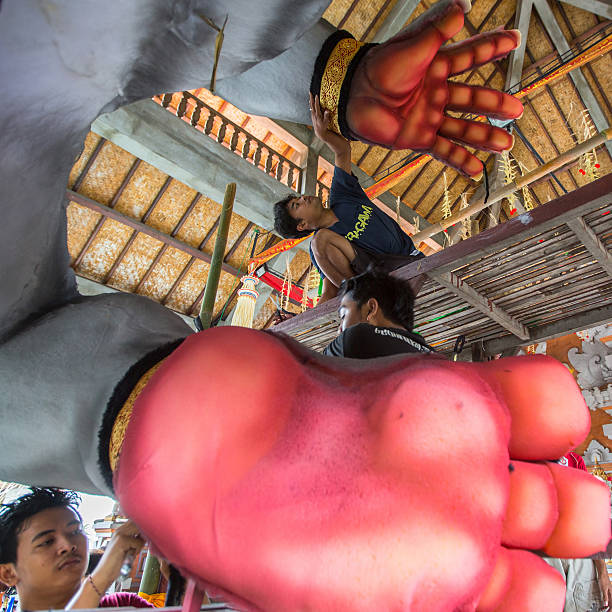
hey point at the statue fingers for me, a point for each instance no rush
(475, 134)
(549, 416)
(445, 17)
(482, 101)
(456, 156)
(522, 581)
(480, 49)
(583, 527)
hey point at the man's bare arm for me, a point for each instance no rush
(339, 145)
(329, 291)
(603, 580)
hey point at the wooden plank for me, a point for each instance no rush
(145, 229)
(581, 321)
(557, 307)
(395, 20)
(598, 7)
(590, 240)
(532, 272)
(551, 280)
(533, 256)
(479, 301)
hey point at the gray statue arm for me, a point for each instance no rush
(287, 76)
(88, 58)
(61, 355)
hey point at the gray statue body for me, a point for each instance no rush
(61, 65)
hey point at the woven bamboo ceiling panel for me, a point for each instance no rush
(117, 251)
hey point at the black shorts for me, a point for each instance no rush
(386, 263)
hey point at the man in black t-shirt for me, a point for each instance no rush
(353, 232)
(376, 318)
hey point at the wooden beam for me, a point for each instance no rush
(517, 57)
(592, 243)
(581, 321)
(599, 7)
(480, 302)
(395, 20)
(562, 46)
(113, 202)
(110, 213)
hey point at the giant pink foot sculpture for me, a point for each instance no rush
(285, 480)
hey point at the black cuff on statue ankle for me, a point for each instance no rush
(118, 398)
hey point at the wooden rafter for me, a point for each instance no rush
(517, 57)
(111, 213)
(132, 238)
(100, 223)
(593, 244)
(602, 8)
(584, 89)
(164, 248)
(468, 294)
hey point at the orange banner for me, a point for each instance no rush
(280, 247)
(603, 46)
(373, 191)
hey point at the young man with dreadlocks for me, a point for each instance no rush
(353, 232)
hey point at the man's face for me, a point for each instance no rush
(305, 210)
(51, 554)
(350, 312)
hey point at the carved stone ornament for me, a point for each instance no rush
(596, 453)
(594, 366)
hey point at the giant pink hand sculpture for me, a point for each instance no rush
(289, 481)
(400, 94)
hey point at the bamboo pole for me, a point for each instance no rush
(150, 575)
(519, 183)
(212, 282)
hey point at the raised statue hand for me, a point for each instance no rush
(400, 93)
(285, 480)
